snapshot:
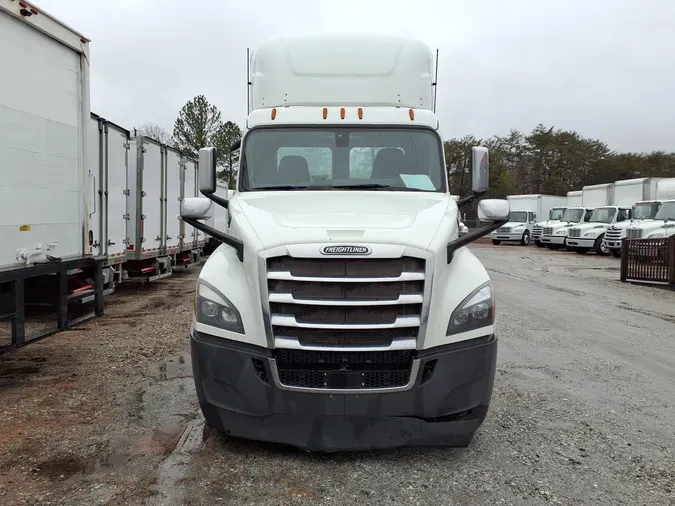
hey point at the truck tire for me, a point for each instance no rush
(597, 247)
(496, 242)
(539, 244)
(525, 240)
(616, 253)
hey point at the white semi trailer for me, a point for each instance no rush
(642, 192)
(575, 198)
(526, 210)
(342, 310)
(47, 252)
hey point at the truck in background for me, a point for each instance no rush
(525, 209)
(317, 313)
(643, 192)
(554, 235)
(554, 216)
(47, 253)
(607, 211)
(663, 224)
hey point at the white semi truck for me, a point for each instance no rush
(663, 224)
(606, 211)
(642, 191)
(554, 235)
(47, 253)
(342, 310)
(525, 210)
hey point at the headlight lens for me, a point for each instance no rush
(561, 232)
(590, 234)
(656, 235)
(476, 311)
(213, 308)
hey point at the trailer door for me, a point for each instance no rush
(174, 167)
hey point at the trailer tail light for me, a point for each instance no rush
(35, 11)
(91, 238)
(145, 270)
(24, 5)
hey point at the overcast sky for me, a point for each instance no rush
(601, 67)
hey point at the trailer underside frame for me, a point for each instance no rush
(13, 289)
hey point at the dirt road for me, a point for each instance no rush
(583, 410)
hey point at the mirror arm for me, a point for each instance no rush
(218, 200)
(472, 236)
(463, 202)
(224, 238)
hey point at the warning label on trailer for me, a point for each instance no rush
(24, 228)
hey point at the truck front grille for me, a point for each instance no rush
(613, 234)
(537, 231)
(574, 232)
(504, 230)
(634, 233)
(548, 230)
(345, 303)
(343, 370)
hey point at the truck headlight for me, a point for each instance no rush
(561, 232)
(476, 311)
(590, 234)
(519, 229)
(213, 308)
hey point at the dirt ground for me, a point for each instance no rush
(583, 410)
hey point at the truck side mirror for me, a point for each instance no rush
(196, 208)
(492, 210)
(480, 169)
(207, 170)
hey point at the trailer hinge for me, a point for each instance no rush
(143, 216)
(125, 216)
(111, 243)
(168, 237)
(96, 244)
(126, 192)
(180, 199)
(126, 145)
(181, 237)
(143, 194)
(143, 239)
(158, 238)
(125, 241)
(144, 150)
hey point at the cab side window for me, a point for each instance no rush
(624, 214)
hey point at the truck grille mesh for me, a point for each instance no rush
(613, 234)
(634, 233)
(537, 231)
(504, 230)
(574, 232)
(548, 230)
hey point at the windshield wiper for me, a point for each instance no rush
(282, 187)
(365, 186)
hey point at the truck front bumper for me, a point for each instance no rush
(507, 237)
(449, 398)
(611, 244)
(553, 239)
(579, 242)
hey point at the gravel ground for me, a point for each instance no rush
(583, 410)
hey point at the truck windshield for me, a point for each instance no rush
(518, 216)
(667, 211)
(573, 215)
(646, 211)
(321, 158)
(603, 215)
(556, 213)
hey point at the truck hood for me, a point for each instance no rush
(514, 224)
(546, 223)
(585, 227)
(628, 223)
(649, 226)
(561, 224)
(281, 218)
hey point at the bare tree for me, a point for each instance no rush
(154, 131)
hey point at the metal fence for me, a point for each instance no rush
(648, 260)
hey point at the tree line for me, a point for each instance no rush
(547, 160)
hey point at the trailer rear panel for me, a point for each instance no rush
(188, 233)
(44, 188)
(174, 173)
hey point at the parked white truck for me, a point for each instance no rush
(642, 191)
(663, 224)
(342, 310)
(554, 235)
(525, 210)
(46, 239)
(606, 211)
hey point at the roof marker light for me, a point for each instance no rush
(342, 113)
(360, 113)
(325, 112)
(274, 113)
(411, 113)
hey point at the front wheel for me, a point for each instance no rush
(525, 240)
(599, 249)
(496, 242)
